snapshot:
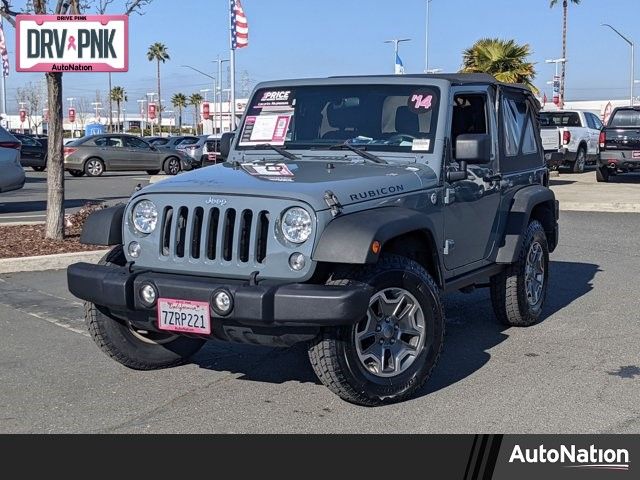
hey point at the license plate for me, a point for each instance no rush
(184, 316)
(636, 154)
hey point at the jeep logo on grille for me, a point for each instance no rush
(218, 202)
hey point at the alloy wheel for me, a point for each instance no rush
(393, 333)
(534, 274)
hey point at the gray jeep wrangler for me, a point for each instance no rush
(345, 209)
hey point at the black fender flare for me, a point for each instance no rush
(348, 238)
(104, 227)
(524, 202)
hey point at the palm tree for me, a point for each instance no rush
(504, 59)
(118, 95)
(179, 101)
(565, 12)
(158, 52)
(196, 99)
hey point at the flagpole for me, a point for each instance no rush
(4, 85)
(232, 66)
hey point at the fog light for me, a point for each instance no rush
(297, 261)
(134, 249)
(222, 302)
(148, 294)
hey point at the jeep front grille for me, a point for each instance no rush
(214, 234)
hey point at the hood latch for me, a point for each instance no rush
(333, 203)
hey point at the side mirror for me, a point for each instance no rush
(473, 148)
(225, 144)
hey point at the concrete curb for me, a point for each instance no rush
(48, 262)
(600, 207)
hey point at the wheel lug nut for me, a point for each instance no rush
(378, 328)
(396, 327)
(387, 320)
(381, 341)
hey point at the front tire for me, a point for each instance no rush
(133, 348)
(391, 352)
(518, 293)
(172, 166)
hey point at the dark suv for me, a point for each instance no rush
(346, 209)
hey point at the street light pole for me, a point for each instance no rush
(426, 39)
(143, 112)
(633, 58)
(557, 61)
(150, 97)
(219, 89)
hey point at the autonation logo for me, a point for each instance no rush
(574, 457)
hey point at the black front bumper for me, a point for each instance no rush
(295, 305)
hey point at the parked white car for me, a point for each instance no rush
(570, 138)
(12, 176)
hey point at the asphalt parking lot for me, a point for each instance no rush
(577, 371)
(30, 203)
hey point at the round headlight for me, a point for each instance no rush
(296, 225)
(145, 217)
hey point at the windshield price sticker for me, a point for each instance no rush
(259, 129)
(268, 170)
(275, 98)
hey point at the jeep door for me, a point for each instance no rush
(471, 207)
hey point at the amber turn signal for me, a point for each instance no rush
(375, 247)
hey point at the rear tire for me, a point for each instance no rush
(353, 363)
(581, 161)
(602, 174)
(172, 166)
(131, 348)
(94, 167)
(153, 172)
(518, 293)
(38, 169)
(76, 173)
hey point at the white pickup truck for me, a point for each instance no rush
(570, 138)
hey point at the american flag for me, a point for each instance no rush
(4, 54)
(239, 26)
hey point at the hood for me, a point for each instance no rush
(302, 180)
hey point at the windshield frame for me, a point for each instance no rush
(404, 88)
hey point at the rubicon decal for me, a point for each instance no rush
(574, 457)
(72, 43)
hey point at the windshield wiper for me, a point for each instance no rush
(276, 148)
(362, 153)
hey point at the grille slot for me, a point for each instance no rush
(165, 242)
(181, 231)
(212, 233)
(262, 235)
(196, 234)
(245, 235)
(227, 235)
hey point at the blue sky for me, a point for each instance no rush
(295, 38)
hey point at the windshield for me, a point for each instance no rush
(560, 119)
(625, 118)
(375, 117)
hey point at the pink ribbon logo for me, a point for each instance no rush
(72, 43)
